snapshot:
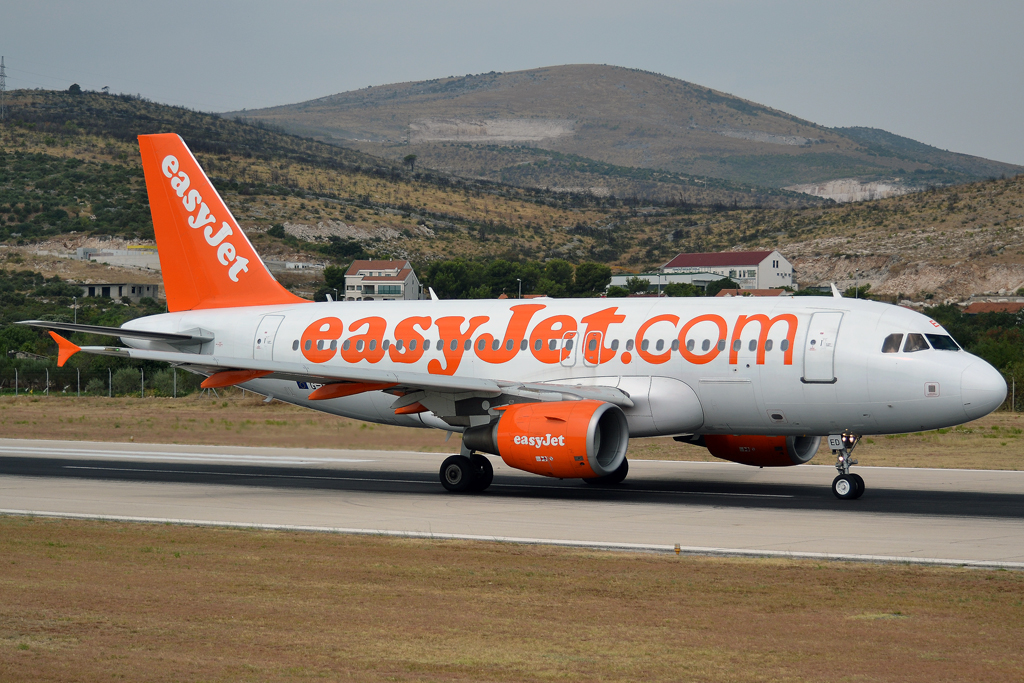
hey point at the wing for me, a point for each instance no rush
(445, 396)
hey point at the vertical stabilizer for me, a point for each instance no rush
(206, 259)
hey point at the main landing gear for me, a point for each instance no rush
(466, 473)
(846, 486)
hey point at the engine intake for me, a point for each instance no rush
(564, 439)
(763, 451)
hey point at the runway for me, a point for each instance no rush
(970, 517)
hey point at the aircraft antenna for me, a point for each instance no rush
(3, 89)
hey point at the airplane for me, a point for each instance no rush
(555, 387)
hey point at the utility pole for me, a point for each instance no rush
(3, 90)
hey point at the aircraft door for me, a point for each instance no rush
(568, 357)
(820, 348)
(263, 342)
(592, 348)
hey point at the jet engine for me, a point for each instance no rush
(763, 451)
(564, 439)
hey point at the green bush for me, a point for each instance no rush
(127, 381)
(96, 386)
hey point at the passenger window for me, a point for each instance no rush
(690, 345)
(592, 344)
(568, 344)
(753, 345)
(943, 342)
(629, 344)
(644, 344)
(768, 345)
(675, 344)
(552, 344)
(615, 344)
(915, 342)
(659, 345)
(784, 345)
(892, 343)
(721, 345)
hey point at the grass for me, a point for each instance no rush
(995, 442)
(92, 601)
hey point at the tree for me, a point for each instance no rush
(681, 289)
(617, 292)
(334, 276)
(75, 89)
(592, 279)
(638, 285)
(718, 285)
(410, 161)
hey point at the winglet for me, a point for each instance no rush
(835, 291)
(65, 349)
(433, 297)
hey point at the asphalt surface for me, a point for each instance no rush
(949, 516)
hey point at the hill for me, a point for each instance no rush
(601, 127)
(70, 176)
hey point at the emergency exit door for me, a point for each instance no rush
(820, 347)
(263, 342)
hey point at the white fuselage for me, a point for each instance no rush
(818, 368)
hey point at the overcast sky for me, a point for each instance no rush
(948, 73)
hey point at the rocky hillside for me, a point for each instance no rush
(600, 127)
(70, 177)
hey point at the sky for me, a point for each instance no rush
(946, 72)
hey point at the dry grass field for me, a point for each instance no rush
(994, 442)
(91, 601)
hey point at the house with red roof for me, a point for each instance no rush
(749, 269)
(381, 281)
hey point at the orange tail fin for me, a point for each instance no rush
(206, 259)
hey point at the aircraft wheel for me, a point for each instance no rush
(483, 472)
(615, 477)
(457, 474)
(845, 487)
(859, 480)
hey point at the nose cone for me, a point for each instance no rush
(982, 388)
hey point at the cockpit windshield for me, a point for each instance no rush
(943, 342)
(915, 342)
(918, 342)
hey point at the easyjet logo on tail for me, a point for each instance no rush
(202, 219)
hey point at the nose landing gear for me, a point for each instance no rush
(846, 486)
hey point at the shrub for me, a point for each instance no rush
(127, 381)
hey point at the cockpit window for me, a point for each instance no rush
(915, 342)
(892, 343)
(943, 342)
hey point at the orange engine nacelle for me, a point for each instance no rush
(564, 439)
(763, 451)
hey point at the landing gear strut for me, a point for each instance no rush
(466, 473)
(846, 486)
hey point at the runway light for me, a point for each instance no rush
(677, 548)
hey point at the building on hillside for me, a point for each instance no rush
(749, 269)
(993, 307)
(135, 256)
(381, 281)
(658, 280)
(754, 292)
(119, 290)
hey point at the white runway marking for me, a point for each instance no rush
(175, 456)
(597, 545)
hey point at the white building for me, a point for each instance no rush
(749, 269)
(381, 281)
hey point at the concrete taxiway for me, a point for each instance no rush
(923, 515)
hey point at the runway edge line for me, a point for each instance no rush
(593, 545)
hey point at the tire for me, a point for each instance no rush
(845, 487)
(457, 474)
(483, 472)
(612, 479)
(859, 481)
